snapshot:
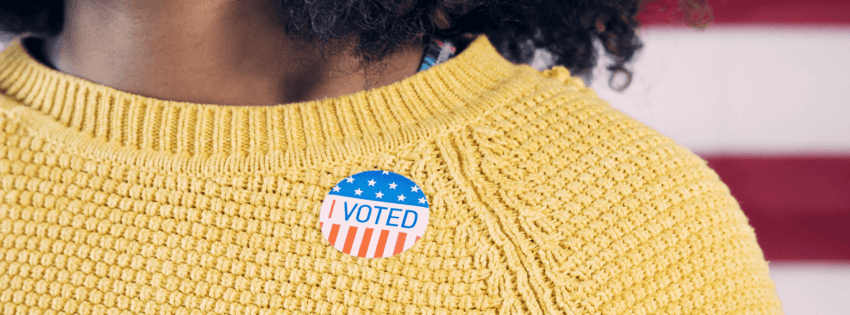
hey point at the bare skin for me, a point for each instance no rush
(227, 52)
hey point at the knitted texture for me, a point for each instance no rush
(543, 200)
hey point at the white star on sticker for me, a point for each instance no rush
(371, 182)
(350, 179)
(422, 200)
(358, 192)
(385, 173)
(336, 188)
(414, 189)
(401, 197)
(379, 195)
(392, 186)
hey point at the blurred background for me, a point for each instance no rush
(761, 90)
(762, 93)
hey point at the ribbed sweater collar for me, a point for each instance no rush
(423, 105)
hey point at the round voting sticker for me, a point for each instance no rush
(374, 214)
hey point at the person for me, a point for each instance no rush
(173, 157)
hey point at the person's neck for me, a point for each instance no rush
(230, 52)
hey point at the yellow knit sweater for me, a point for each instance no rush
(543, 200)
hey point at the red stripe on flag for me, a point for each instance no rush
(334, 232)
(678, 12)
(399, 243)
(364, 245)
(798, 206)
(382, 242)
(349, 239)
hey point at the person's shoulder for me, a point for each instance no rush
(608, 214)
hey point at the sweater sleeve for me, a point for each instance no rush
(607, 216)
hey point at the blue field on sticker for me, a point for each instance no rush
(381, 186)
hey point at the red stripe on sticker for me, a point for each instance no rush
(333, 203)
(399, 243)
(334, 232)
(364, 245)
(349, 239)
(382, 242)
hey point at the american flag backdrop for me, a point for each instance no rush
(762, 93)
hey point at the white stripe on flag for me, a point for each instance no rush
(742, 89)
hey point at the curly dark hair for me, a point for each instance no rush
(566, 29)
